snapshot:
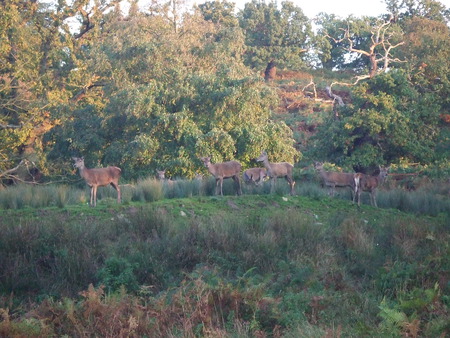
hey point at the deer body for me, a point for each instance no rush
(255, 175)
(220, 171)
(334, 179)
(275, 170)
(370, 184)
(98, 177)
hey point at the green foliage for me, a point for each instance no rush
(389, 120)
(116, 273)
(276, 265)
(275, 34)
(162, 113)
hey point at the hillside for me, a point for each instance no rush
(253, 265)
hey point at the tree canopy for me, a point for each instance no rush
(157, 87)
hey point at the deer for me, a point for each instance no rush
(333, 179)
(198, 176)
(255, 175)
(370, 184)
(98, 177)
(221, 171)
(275, 170)
(161, 175)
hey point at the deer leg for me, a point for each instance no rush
(238, 183)
(374, 195)
(291, 184)
(219, 184)
(91, 193)
(93, 196)
(116, 186)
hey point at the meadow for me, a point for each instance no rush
(175, 261)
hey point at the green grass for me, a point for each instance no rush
(231, 265)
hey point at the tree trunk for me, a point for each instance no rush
(271, 71)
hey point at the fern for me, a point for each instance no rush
(392, 317)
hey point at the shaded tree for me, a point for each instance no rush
(271, 33)
(389, 119)
(167, 97)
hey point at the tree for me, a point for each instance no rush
(389, 119)
(282, 34)
(219, 12)
(35, 78)
(402, 10)
(375, 41)
(427, 49)
(331, 52)
(166, 97)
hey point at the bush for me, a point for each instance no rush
(116, 273)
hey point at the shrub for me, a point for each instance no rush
(148, 190)
(116, 273)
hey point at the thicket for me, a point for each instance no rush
(282, 271)
(156, 91)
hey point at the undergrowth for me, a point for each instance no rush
(234, 266)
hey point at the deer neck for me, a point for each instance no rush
(83, 172)
(380, 178)
(267, 164)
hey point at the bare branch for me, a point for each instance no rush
(380, 36)
(311, 83)
(334, 96)
(8, 172)
(9, 126)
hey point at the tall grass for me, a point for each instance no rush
(432, 199)
(226, 274)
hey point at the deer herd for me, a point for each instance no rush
(357, 182)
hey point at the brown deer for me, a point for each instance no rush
(220, 171)
(198, 177)
(161, 175)
(255, 175)
(98, 177)
(333, 179)
(370, 184)
(275, 170)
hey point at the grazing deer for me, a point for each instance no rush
(161, 175)
(98, 177)
(334, 179)
(220, 171)
(255, 175)
(370, 184)
(198, 177)
(275, 170)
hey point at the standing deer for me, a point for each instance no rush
(220, 171)
(98, 177)
(370, 184)
(275, 170)
(334, 179)
(255, 175)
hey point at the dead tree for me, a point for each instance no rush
(379, 50)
